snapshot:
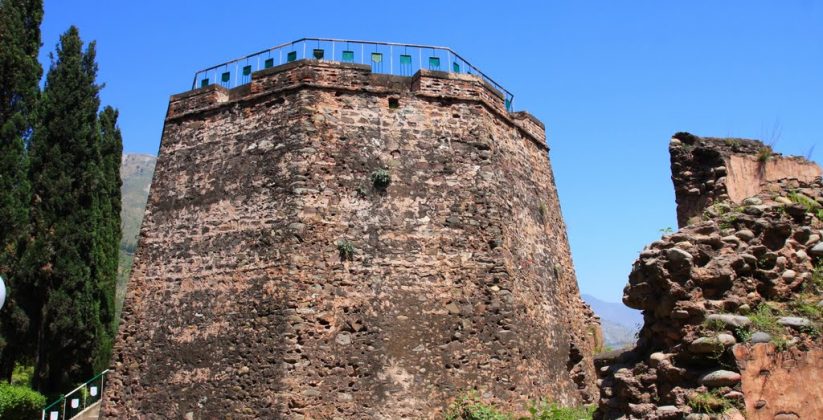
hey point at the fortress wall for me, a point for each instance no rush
(240, 302)
(707, 170)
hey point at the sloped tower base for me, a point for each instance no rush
(245, 300)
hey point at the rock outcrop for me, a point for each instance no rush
(732, 301)
(325, 242)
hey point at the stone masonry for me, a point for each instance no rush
(732, 301)
(707, 170)
(325, 242)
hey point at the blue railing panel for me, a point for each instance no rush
(383, 57)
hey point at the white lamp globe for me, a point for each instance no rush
(2, 292)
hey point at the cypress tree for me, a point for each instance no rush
(67, 221)
(20, 74)
(111, 152)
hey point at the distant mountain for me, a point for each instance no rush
(136, 171)
(619, 322)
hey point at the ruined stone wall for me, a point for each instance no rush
(732, 306)
(244, 301)
(709, 170)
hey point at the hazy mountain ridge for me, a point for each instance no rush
(619, 322)
(136, 171)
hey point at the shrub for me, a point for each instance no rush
(381, 179)
(764, 154)
(20, 402)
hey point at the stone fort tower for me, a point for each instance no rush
(327, 241)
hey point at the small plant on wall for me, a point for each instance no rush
(346, 250)
(381, 179)
(764, 154)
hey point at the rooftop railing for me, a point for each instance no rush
(383, 57)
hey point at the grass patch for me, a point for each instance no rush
(471, 407)
(552, 411)
(764, 318)
(714, 325)
(810, 205)
(764, 154)
(734, 144)
(709, 403)
(816, 284)
(806, 309)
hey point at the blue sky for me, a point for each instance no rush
(611, 80)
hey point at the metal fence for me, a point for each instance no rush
(75, 402)
(383, 57)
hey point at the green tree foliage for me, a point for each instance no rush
(69, 272)
(20, 74)
(111, 151)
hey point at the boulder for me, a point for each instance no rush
(719, 378)
(817, 250)
(760, 337)
(710, 345)
(794, 322)
(737, 321)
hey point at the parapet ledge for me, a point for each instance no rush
(438, 85)
(530, 124)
